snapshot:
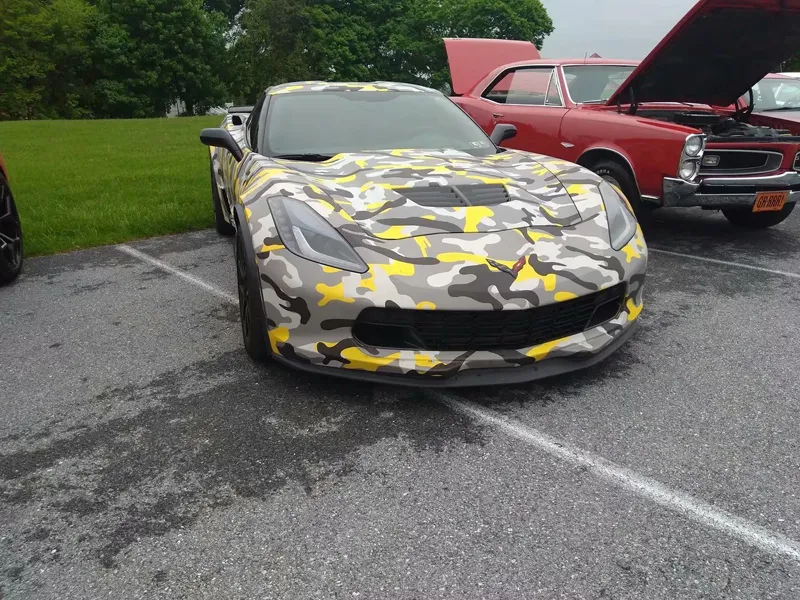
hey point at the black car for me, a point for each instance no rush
(10, 231)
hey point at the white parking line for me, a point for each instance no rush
(727, 263)
(177, 272)
(701, 512)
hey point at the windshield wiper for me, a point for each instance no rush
(306, 157)
(781, 108)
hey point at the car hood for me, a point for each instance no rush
(405, 193)
(471, 59)
(716, 53)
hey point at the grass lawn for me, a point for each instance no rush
(87, 183)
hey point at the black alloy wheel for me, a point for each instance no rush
(10, 235)
(251, 311)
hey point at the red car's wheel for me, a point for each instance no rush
(617, 175)
(747, 219)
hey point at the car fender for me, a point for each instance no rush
(651, 148)
(260, 319)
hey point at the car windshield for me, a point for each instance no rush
(595, 83)
(773, 93)
(327, 123)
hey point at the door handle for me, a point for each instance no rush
(497, 115)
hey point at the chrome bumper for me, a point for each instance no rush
(728, 192)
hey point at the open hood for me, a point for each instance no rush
(716, 53)
(471, 59)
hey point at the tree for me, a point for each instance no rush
(285, 40)
(793, 64)
(150, 53)
(44, 55)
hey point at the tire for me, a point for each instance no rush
(747, 219)
(251, 308)
(223, 227)
(615, 174)
(10, 235)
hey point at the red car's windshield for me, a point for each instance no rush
(595, 83)
(775, 93)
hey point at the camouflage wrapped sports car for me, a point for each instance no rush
(380, 234)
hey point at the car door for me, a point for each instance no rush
(529, 98)
(249, 141)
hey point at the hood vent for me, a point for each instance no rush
(479, 194)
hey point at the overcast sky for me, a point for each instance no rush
(612, 28)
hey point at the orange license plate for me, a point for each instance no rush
(770, 201)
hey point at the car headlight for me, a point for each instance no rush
(689, 169)
(307, 234)
(621, 222)
(691, 157)
(694, 145)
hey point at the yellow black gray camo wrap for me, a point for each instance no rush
(431, 258)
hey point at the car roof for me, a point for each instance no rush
(575, 62)
(347, 86)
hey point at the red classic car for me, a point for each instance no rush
(652, 128)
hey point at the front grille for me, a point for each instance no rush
(741, 162)
(479, 194)
(441, 330)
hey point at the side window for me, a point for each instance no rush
(553, 95)
(524, 86)
(252, 125)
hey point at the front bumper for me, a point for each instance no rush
(478, 377)
(728, 192)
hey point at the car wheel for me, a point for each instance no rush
(251, 308)
(10, 235)
(223, 227)
(617, 175)
(746, 218)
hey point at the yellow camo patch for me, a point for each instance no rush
(541, 351)
(333, 293)
(271, 248)
(630, 252)
(634, 310)
(474, 216)
(279, 335)
(423, 244)
(564, 296)
(426, 305)
(358, 359)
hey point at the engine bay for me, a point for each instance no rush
(720, 127)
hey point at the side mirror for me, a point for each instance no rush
(221, 138)
(502, 132)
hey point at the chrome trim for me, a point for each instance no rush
(502, 74)
(678, 192)
(697, 159)
(564, 75)
(653, 199)
(787, 179)
(748, 171)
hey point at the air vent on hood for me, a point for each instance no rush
(479, 194)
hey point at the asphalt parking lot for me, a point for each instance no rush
(142, 455)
